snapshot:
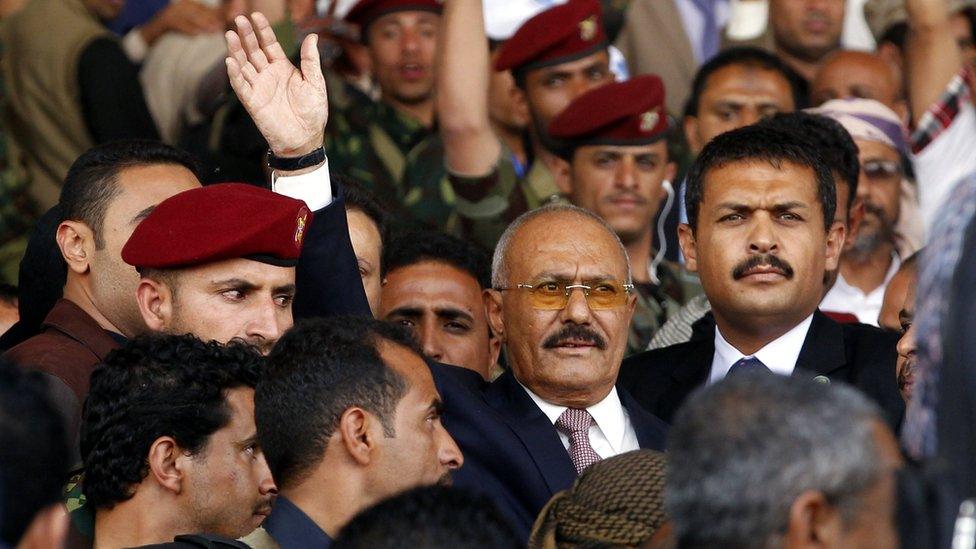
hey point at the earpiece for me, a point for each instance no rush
(661, 237)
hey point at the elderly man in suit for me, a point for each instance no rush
(761, 233)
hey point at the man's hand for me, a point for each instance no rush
(289, 106)
(184, 16)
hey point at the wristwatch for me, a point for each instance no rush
(295, 163)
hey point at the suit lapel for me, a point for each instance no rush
(823, 351)
(690, 374)
(534, 429)
(649, 429)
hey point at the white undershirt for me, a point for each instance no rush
(779, 355)
(611, 432)
(845, 298)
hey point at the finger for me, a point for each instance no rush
(250, 43)
(269, 42)
(234, 47)
(237, 81)
(311, 65)
(250, 75)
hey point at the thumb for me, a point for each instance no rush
(310, 64)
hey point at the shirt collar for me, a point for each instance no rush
(608, 414)
(291, 528)
(779, 355)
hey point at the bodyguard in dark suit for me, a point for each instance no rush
(761, 234)
(562, 301)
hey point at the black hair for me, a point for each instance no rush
(316, 371)
(896, 34)
(749, 57)
(414, 247)
(34, 458)
(760, 143)
(8, 294)
(358, 198)
(832, 141)
(92, 180)
(155, 386)
(430, 517)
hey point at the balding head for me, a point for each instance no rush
(562, 302)
(857, 74)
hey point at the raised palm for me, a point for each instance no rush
(289, 106)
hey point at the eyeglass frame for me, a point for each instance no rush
(628, 288)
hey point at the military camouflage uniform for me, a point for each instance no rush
(397, 158)
(486, 205)
(658, 303)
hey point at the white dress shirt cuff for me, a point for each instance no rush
(314, 187)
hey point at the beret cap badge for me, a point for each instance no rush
(648, 120)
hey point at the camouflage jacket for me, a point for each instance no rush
(396, 158)
(657, 303)
(486, 205)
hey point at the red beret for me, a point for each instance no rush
(219, 222)
(560, 34)
(620, 113)
(367, 11)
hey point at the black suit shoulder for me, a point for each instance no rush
(660, 379)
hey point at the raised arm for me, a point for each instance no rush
(932, 53)
(470, 146)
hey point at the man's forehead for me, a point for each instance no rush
(569, 244)
(747, 181)
(598, 58)
(241, 270)
(747, 81)
(406, 17)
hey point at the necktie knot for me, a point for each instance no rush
(574, 421)
(748, 364)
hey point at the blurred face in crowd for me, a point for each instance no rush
(856, 74)
(879, 190)
(907, 361)
(962, 29)
(506, 107)
(760, 246)
(420, 452)
(105, 9)
(549, 90)
(807, 29)
(443, 306)
(401, 48)
(228, 486)
(736, 96)
(894, 297)
(623, 185)
(112, 281)
(232, 299)
(368, 247)
(568, 355)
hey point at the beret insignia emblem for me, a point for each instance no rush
(648, 120)
(587, 28)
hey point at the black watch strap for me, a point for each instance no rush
(295, 163)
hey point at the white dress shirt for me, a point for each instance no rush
(779, 355)
(693, 21)
(845, 298)
(611, 432)
(314, 187)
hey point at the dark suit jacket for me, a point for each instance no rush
(863, 356)
(512, 452)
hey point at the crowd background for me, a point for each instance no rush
(277, 270)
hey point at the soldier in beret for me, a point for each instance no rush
(555, 56)
(614, 142)
(386, 146)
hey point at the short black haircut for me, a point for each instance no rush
(358, 198)
(34, 457)
(749, 57)
(92, 181)
(410, 248)
(8, 294)
(896, 34)
(316, 371)
(430, 517)
(831, 139)
(157, 385)
(760, 143)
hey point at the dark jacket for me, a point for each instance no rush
(861, 355)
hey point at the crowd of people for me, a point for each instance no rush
(487, 273)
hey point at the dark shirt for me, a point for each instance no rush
(112, 102)
(292, 529)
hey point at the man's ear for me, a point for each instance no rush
(690, 126)
(77, 243)
(813, 522)
(155, 303)
(48, 529)
(354, 427)
(854, 219)
(493, 308)
(686, 239)
(835, 245)
(166, 464)
(560, 170)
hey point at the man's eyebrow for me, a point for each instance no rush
(142, 215)
(453, 313)
(791, 205)
(407, 311)
(249, 441)
(285, 289)
(436, 405)
(236, 283)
